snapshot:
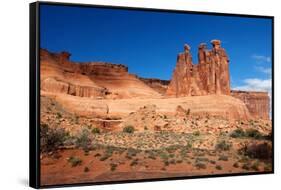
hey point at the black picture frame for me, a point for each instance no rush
(34, 92)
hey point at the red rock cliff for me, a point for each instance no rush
(89, 79)
(209, 76)
(256, 102)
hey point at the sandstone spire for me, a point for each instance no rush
(209, 76)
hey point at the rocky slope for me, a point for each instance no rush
(157, 84)
(93, 79)
(217, 105)
(256, 102)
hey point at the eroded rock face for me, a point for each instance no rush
(256, 102)
(209, 76)
(157, 84)
(89, 79)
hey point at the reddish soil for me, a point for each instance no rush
(58, 170)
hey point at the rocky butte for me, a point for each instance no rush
(209, 76)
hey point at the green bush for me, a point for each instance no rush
(253, 133)
(95, 130)
(218, 167)
(237, 133)
(223, 158)
(223, 145)
(74, 161)
(129, 129)
(131, 152)
(196, 133)
(59, 115)
(200, 165)
(52, 138)
(134, 162)
(246, 166)
(113, 167)
(255, 166)
(83, 140)
(249, 133)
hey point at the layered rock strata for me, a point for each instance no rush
(89, 79)
(209, 76)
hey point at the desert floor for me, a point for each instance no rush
(147, 144)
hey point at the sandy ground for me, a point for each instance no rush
(163, 145)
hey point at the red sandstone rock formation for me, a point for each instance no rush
(256, 102)
(91, 79)
(209, 76)
(157, 84)
(100, 80)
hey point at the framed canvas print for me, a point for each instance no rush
(120, 94)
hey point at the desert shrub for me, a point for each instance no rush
(95, 130)
(131, 152)
(163, 155)
(173, 161)
(268, 137)
(83, 140)
(254, 150)
(104, 157)
(108, 153)
(59, 115)
(166, 162)
(86, 169)
(237, 133)
(86, 152)
(129, 129)
(171, 155)
(250, 133)
(212, 161)
(51, 138)
(113, 167)
(75, 119)
(196, 133)
(145, 128)
(202, 159)
(157, 128)
(255, 166)
(267, 167)
(200, 165)
(134, 162)
(253, 133)
(223, 158)
(179, 161)
(188, 112)
(151, 154)
(223, 145)
(236, 165)
(246, 166)
(74, 161)
(172, 148)
(218, 167)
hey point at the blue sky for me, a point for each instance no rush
(148, 42)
